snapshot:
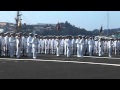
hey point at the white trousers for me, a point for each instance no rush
(110, 51)
(81, 50)
(90, 50)
(78, 51)
(68, 51)
(58, 51)
(100, 51)
(65, 50)
(116, 50)
(12, 50)
(34, 52)
(29, 51)
(18, 52)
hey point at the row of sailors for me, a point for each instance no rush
(80, 46)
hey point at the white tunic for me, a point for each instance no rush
(35, 42)
(2, 41)
(29, 41)
(24, 41)
(12, 41)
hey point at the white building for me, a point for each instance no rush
(2, 30)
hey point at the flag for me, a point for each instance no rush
(101, 29)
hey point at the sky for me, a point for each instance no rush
(88, 20)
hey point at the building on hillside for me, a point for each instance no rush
(117, 34)
(2, 30)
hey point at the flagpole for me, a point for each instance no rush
(107, 23)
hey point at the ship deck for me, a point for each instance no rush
(52, 67)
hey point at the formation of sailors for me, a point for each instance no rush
(20, 45)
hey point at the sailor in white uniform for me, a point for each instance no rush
(100, 43)
(65, 47)
(29, 44)
(58, 46)
(52, 45)
(7, 45)
(78, 46)
(34, 46)
(69, 45)
(42, 45)
(82, 43)
(18, 46)
(62, 45)
(90, 43)
(12, 42)
(39, 45)
(85, 51)
(93, 41)
(49, 43)
(73, 46)
(96, 46)
(3, 45)
(110, 44)
(115, 46)
(46, 45)
(24, 44)
(119, 46)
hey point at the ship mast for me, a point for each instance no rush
(18, 22)
(107, 23)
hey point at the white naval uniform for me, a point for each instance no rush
(29, 45)
(35, 47)
(82, 42)
(49, 46)
(24, 44)
(7, 45)
(90, 43)
(93, 41)
(116, 47)
(53, 46)
(69, 47)
(57, 47)
(12, 42)
(105, 47)
(46, 46)
(62, 46)
(100, 46)
(42, 46)
(39, 45)
(3, 46)
(65, 47)
(96, 47)
(110, 47)
(73, 46)
(18, 47)
(85, 51)
(78, 47)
